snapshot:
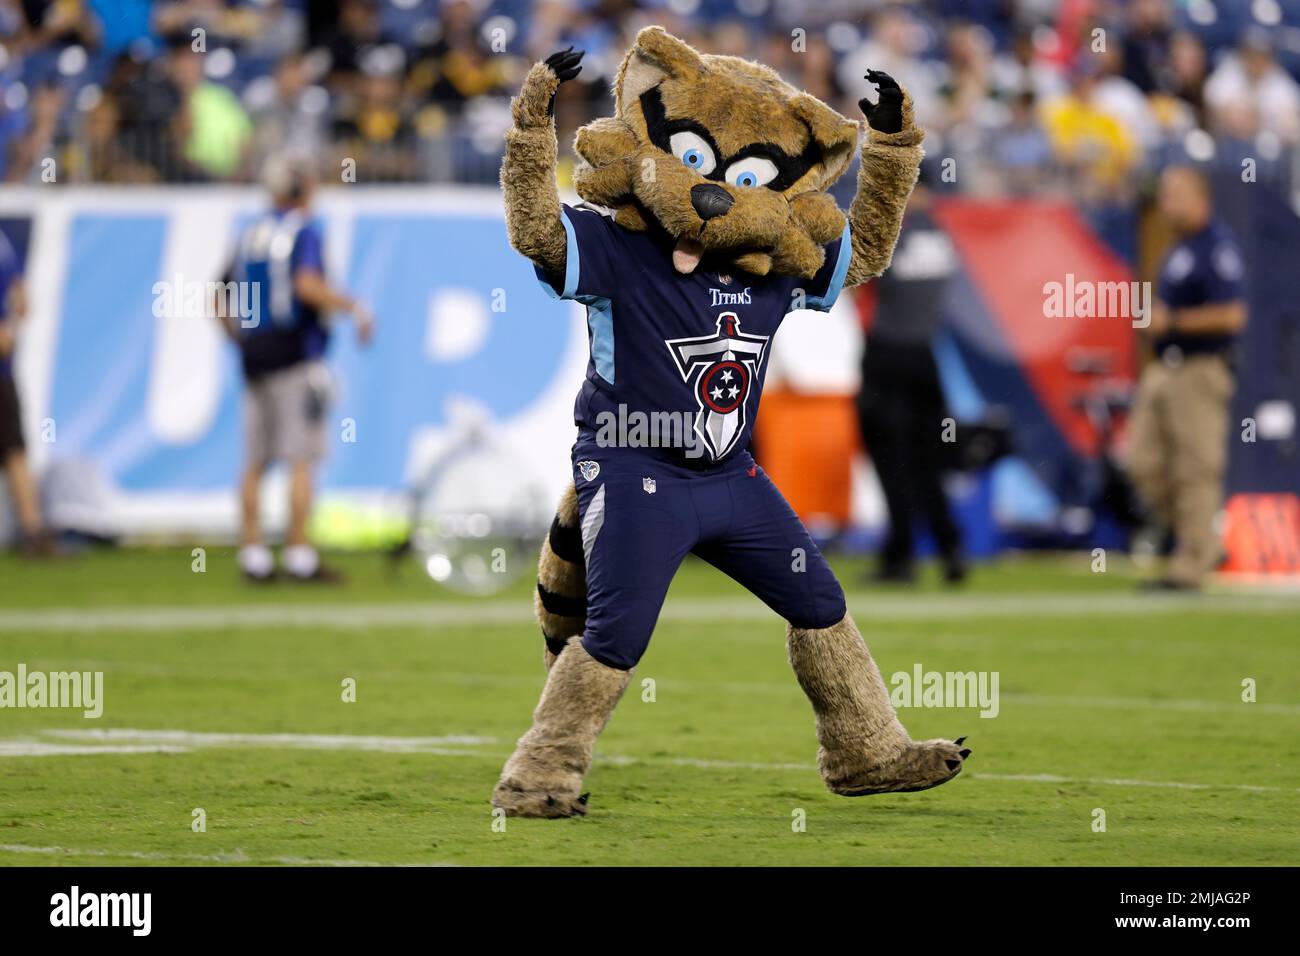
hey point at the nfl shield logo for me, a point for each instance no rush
(648, 484)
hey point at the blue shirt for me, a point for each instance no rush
(282, 329)
(692, 346)
(10, 270)
(1205, 268)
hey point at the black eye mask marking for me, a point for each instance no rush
(789, 168)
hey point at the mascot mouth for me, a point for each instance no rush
(687, 254)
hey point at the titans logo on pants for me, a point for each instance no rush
(722, 368)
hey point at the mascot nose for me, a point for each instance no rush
(710, 200)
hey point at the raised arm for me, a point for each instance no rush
(528, 171)
(891, 160)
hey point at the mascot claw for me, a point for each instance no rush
(539, 804)
(918, 766)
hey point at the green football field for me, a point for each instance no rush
(1121, 735)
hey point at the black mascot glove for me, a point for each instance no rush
(565, 66)
(886, 114)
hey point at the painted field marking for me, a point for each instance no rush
(186, 738)
(237, 856)
(433, 615)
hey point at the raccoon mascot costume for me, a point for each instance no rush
(705, 220)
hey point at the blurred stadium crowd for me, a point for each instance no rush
(1027, 95)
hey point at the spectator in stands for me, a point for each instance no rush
(153, 117)
(14, 124)
(457, 67)
(126, 137)
(972, 113)
(1098, 155)
(1021, 149)
(901, 407)
(357, 31)
(376, 132)
(289, 113)
(60, 23)
(1119, 97)
(1176, 103)
(216, 134)
(1146, 43)
(37, 156)
(280, 31)
(1023, 69)
(1187, 66)
(1179, 429)
(18, 476)
(1086, 138)
(13, 27)
(279, 269)
(1249, 92)
(220, 23)
(968, 92)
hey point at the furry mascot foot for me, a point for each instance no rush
(864, 748)
(543, 776)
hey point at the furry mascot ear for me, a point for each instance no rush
(606, 146)
(836, 135)
(654, 56)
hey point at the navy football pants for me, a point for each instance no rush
(641, 516)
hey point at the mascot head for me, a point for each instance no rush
(721, 155)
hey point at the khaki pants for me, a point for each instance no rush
(1178, 451)
(284, 414)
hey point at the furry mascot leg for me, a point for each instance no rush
(543, 776)
(864, 748)
(561, 601)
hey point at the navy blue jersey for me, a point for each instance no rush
(269, 254)
(910, 295)
(692, 346)
(10, 270)
(1204, 268)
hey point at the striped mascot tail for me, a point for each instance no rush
(562, 579)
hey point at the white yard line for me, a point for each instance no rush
(185, 738)
(180, 741)
(45, 748)
(238, 856)
(1123, 782)
(371, 617)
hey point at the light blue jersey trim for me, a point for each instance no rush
(824, 303)
(600, 320)
(600, 312)
(570, 263)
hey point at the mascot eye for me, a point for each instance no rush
(751, 172)
(692, 150)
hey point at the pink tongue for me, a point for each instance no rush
(686, 255)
